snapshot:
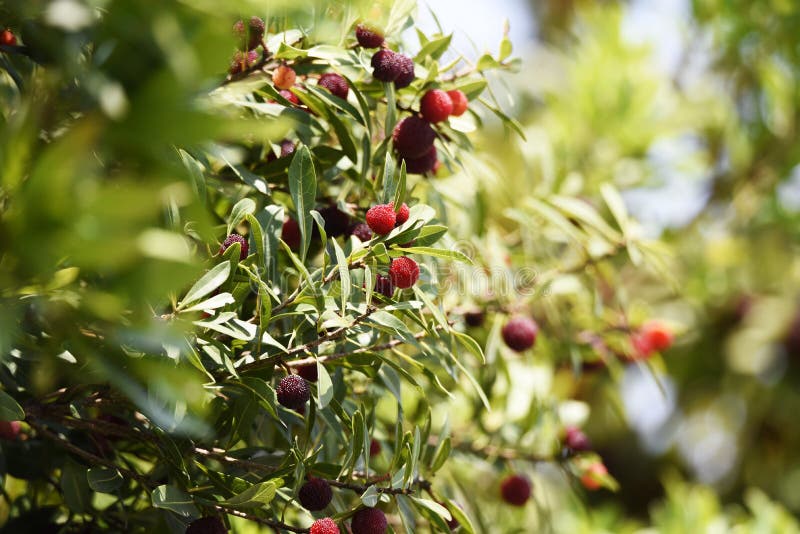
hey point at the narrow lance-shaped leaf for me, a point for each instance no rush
(303, 189)
(207, 283)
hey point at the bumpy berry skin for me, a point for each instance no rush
(381, 218)
(290, 96)
(402, 214)
(576, 440)
(424, 164)
(460, 102)
(384, 286)
(9, 430)
(384, 65)
(207, 525)
(284, 77)
(335, 83)
(256, 29)
(324, 526)
(315, 494)
(293, 392)
(405, 71)
(337, 222)
(404, 272)
(374, 447)
(7, 38)
(290, 233)
(515, 489)
(519, 333)
(235, 238)
(369, 36)
(362, 232)
(435, 106)
(590, 478)
(413, 137)
(369, 521)
(309, 371)
(475, 318)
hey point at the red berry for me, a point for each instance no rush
(404, 272)
(9, 430)
(369, 521)
(384, 65)
(287, 148)
(460, 102)
(658, 335)
(515, 489)
(413, 137)
(256, 28)
(381, 218)
(402, 214)
(474, 318)
(207, 525)
(362, 232)
(315, 494)
(424, 164)
(592, 477)
(308, 371)
(335, 83)
(235, 238)
(435, 106)
(293, 392)
(374, 447)
(384, 286)
(290, 96)
(369, 36)
(7, 38)
(405, 71)
(324, 526)
(520, 333)
(284, 77)
(576, 440)
(243, 61)
(290, 233)
(336, 222)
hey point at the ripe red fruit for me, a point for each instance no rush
(284, 77)
(424, 164)
(324, 526)
(315, 494)
(7, 38)
(369, 36)
(384, 65)
(207, 525)
(9, 430)
(591, 478)
(404, 272)
(293, 392)
(520, 333)
(369, 521)
(413, 137)
(290, 96)
(374, 447)
(336, 222)
(653, 336)
(401, 214)
(256, 29)
(460, 102)
(334, 83)
(576, 440)
(435, 106)
(515, 489)
(405, 71)
(384, 286)
(308, 371)
(381, 218)
(290, 233)
(242, 61)
(235, 238)
(362, 232)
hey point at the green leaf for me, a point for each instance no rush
(442, 454)
(473, 88)
(389, 185)
(260, 494)
(437, 253)
(400, 191)
(324, 386)
(470, 344)
(303, 189)
(10, 410)
(344, 274)
(217, 301)
(505, 49)
(77, 494)
(344, 135)
(487, 62)
(104, 480)
(370, 497)
(240, 210)
(196, 174)
(175, 500)
(616, 205)
(207, 283)
(462, 518)
(434, 48)
(434, 507)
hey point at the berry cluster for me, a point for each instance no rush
(315, 494)
(293, 392)
(235, 238)
(369, 521)
(250, 36)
